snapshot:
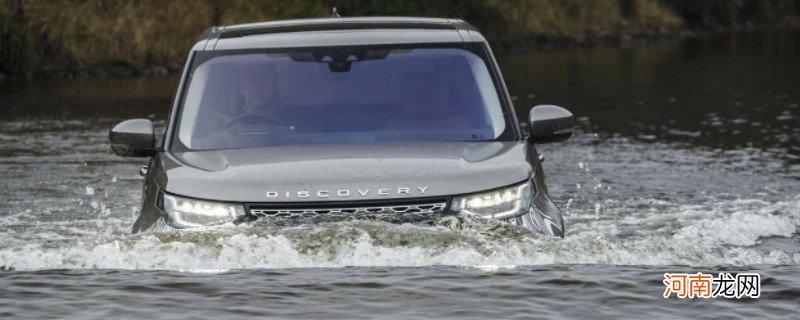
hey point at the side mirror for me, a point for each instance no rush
(550, 123)
(133, 138)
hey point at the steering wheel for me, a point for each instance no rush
(264, 119)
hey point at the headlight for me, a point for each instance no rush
(499, 204)
(190, 213)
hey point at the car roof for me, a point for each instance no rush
(338, 31)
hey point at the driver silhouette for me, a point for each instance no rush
(258, 91)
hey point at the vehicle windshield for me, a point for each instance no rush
(339, 95)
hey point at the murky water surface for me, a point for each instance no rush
(688, 160)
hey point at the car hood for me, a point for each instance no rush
(345, 172)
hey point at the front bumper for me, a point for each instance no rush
(541, 215)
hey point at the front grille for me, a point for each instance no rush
(390, 212)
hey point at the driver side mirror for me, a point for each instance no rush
(550, 123)
(133, 138)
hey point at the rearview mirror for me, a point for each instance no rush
(133, 138)
(550, 123)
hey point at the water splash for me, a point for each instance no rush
(680, 236)
(67, 211)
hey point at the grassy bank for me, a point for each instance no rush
(95, 37)
(17, 48)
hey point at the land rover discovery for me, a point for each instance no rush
(398, 119)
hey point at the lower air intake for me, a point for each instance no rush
(393, 213)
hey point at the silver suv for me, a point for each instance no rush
(399, 119)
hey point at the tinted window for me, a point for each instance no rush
(339, 95)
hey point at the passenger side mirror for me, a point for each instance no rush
(133, 138)
(550, 123)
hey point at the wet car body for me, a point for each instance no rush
(390, 179)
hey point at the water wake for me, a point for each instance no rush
(728, 234)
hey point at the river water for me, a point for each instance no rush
(687, 160)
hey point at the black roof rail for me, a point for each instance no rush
(332, 24)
